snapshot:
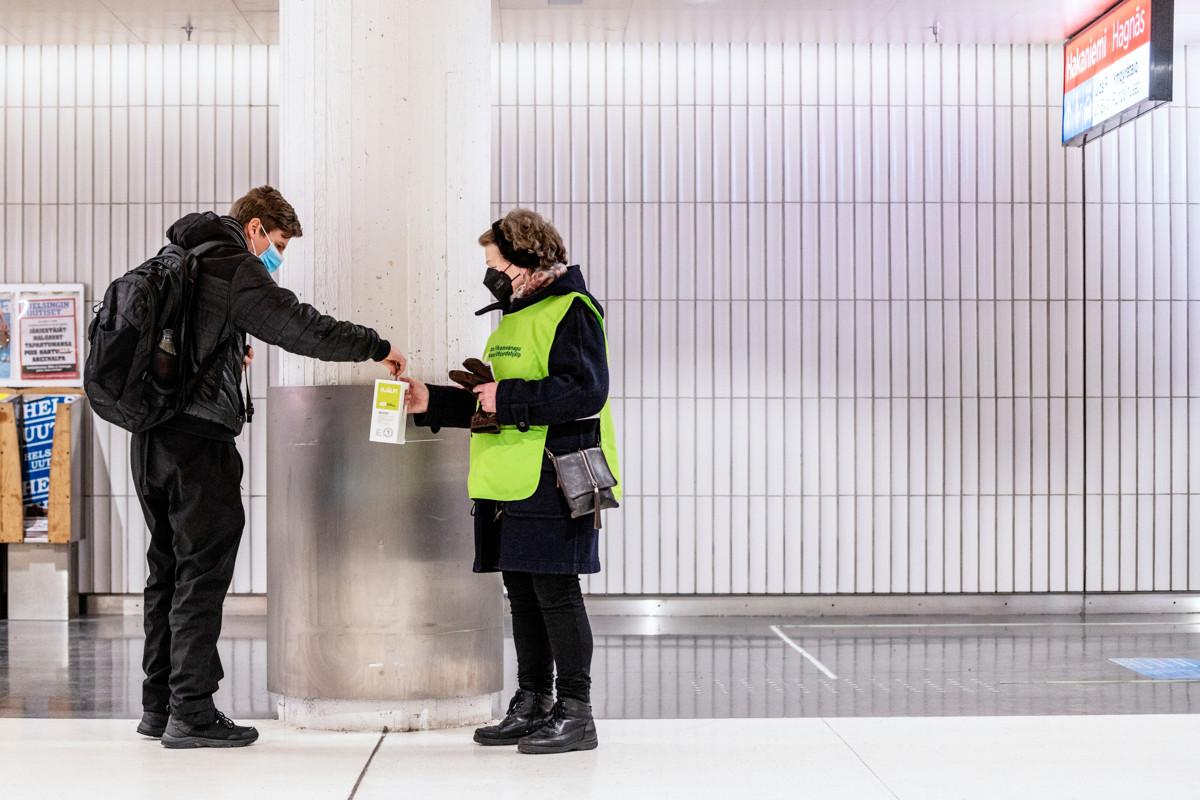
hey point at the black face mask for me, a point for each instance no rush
(499, 284)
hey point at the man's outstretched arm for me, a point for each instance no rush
(273, 314)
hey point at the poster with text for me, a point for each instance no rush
(6, 321)
(49, 340)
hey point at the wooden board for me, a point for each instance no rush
(12, 506)
(65, 473)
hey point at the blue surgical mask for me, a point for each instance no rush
(271, 257)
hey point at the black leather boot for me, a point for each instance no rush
(527, 712)
(153, 723)
(570, 727)
(221, 732)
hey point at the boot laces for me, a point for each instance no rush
(520, 697)
(224, 721)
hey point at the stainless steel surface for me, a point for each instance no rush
(371, 591)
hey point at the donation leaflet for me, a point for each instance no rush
(387, 412)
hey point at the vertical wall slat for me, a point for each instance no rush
(852, 314)
(848, 297)
(101, 148)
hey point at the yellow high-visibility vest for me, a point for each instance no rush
(507, 466)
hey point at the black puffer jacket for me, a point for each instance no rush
(236, 297)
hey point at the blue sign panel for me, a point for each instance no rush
(37, 442)
(1170, 669)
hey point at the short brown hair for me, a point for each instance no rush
(266, 203)
(530, 231)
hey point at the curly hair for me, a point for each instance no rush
(530, 231)
(266, 203)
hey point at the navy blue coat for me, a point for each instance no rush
(537, 534)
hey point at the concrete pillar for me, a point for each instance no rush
(374, 616)
(385, 120)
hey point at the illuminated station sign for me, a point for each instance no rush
(1117, 68)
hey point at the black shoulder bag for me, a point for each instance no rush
(586, 482)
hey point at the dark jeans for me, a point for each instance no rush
(190, 489)
(551, 629)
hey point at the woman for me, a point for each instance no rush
(550, 356)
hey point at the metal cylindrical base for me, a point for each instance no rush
(368, 716)
(374, 616)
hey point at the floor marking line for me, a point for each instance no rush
(788, 641)
(983, 624)
(861, 760)
(367, 765)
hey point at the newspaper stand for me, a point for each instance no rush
(42, 573)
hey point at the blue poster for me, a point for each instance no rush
(37, 442)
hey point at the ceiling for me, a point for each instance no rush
(119, 21)
(257, 21)
(960, 21)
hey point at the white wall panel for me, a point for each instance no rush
(102, 148)
(934, 408)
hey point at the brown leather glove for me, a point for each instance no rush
(477, 373)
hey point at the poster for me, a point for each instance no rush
(49, 340)
(6, 305)
(37, 416)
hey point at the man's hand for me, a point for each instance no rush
(249, 357)
(416, 399)
(396, 363)
(486, 392)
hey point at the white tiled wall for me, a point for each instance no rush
(855, 345)
(102, 148)
(854, 342)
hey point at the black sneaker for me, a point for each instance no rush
(153, 723)
(570, 727)
(527, 712)
(221, 732)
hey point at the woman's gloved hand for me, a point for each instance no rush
(477, 374)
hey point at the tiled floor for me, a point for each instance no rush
(976, 758)
(922, 709)
(651, 668)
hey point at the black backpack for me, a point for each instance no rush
(138, 370)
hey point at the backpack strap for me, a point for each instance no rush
(195, 254)
(205, 248)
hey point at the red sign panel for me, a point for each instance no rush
(1107, 40)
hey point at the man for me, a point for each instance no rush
(188, 471)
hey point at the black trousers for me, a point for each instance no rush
(551, 629)
(190, 490)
